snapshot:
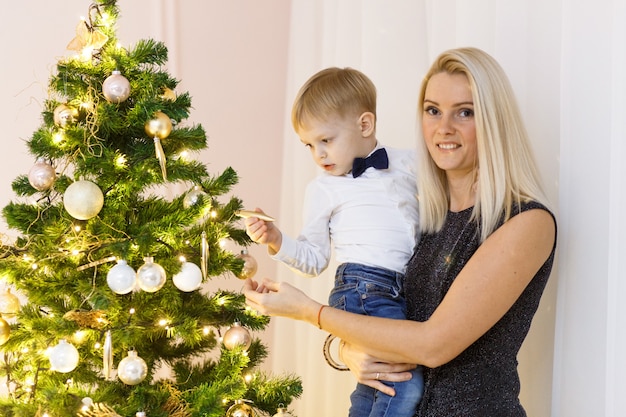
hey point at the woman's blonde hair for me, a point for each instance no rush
(333, 91)
(506, 173)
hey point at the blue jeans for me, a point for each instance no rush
(376, 292)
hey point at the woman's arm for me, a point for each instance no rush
(483, 292)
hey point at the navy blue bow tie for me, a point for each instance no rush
(376, 160)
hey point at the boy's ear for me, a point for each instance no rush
(367, 124)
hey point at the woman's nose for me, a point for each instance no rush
(445, 125)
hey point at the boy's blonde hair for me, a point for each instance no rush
(506, 171)
(333, 91)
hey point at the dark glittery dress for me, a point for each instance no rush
(483, 380)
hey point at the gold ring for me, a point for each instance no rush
(377, 375)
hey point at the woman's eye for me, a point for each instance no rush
(466, 113)
(432, 111)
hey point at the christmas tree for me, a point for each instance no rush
(116, 321)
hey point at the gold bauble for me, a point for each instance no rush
(240, 409)
(64, 115)
(168, 94)
(9, 304)
(5, 331)
(250, 265)
(160, 126)
(237, 336)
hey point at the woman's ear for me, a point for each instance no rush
(367, 124)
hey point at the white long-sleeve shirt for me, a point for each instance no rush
(370, 220)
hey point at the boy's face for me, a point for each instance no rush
(336, 141)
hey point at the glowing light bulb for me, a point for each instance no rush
(58, 137)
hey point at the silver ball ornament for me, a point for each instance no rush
(160, 126)
(83, 200)
(189, 278)
(64, 115)
(63, 357)
(282, 412)
(151, 276)
(193, 196)
(237, 336)
(116, 88)
(42, 175)
(132, 369)
(122, 278)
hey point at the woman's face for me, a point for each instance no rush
(448, 123)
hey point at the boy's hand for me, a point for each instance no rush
(264, 232)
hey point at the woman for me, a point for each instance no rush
(478, 273)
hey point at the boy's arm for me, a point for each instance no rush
(264, 232)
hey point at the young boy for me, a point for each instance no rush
(368, 213)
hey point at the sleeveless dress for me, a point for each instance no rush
(483, 380)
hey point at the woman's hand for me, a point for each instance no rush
(280, 299)
(369, 371)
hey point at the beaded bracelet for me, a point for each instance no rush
(329, 358)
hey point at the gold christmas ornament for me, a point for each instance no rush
(42, 175)
(116, 88)
(92, 319)
(236, 336)
(83, 200)
(64, 115)
(9, 304)
(204, 255)
(240, 409)
(87, 37)
(168, 94)
(5, 331)
(250, 265)
(160, 126)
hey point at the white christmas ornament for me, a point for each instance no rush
(122, 278)
(116, 88)
(42, 175)
(63, 357)
(189, 278)
(151, 276)
(132, 369)
(83, 200)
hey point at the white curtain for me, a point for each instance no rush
(566, 61)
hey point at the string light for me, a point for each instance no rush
(120, 161)
(58, 137)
